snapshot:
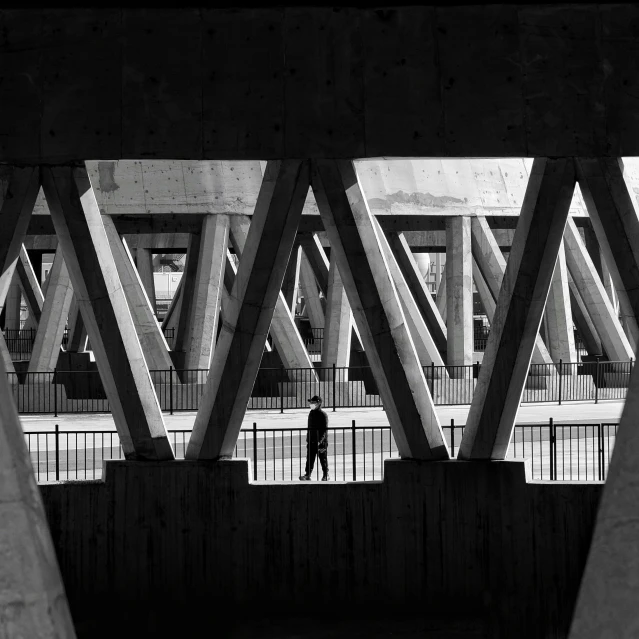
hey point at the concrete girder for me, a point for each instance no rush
(290, 286)
(582, 319)
(441, 298)
(520, 307)
(30, 286)
(144, 265)
(336, 345)
(255, 294)
(311, 293)
(355, 243)
(77, 337)
(317, 259)
(13, 303)
(98, 290)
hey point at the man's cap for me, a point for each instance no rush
(315, 398)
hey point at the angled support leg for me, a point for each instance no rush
(118, 354)
(584, 324)
(77, 341)
(144, 264)
(355, 243)
(519, 311)
(336, 346)
(255, 293)
(441, 299)
(316, 258)
(311, 294)
(31, 580)
(422, 296)
(30, 286)
(290, 286)
(152, 341)
(173, 313)
(48, 339)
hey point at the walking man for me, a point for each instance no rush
(316, 439)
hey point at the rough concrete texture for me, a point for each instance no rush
(582, 320)
(12, 303)
(106, 314)
(77, 340)
(30, 286)
(592, 291)
(336, 345)
(420, 541)
(144, 266)
(252, 301)
(519, 311)
(310, 290)
(441, 299)
(291, 283)
(33, 603)
(48, 339)
(377, 311)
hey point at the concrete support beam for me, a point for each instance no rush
(33, 601)
(12, 304)
(173, 313)
(310, 289)
(355, 244)
(30, 286)
(290, 286)
(255, 293)
(583, 322)
(144, 264)
(520, 307)
(48, 339)
(338, 328)
(486, 297)
(559, 324)
(422, 260)
(616, 224)
(408, 263)
(459, 295)
(317, 259)
(492, 265)
(119, 357)
(609, 285)
(441, 299)
(77, 340)
(152, 341)
(591, 289)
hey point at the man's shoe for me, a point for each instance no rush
(326, 477)
(305, 478)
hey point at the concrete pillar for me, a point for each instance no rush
(609, 285)
(590, 287)
(173, 313)
(77, 340)
(290, 286)
(459, 295)
(355, 243)
(286, 337)
(311, 293)
(48, 339)
(441, 298)
(519, 310)
(207, 292)
(118, 354)
(583, 322)
(30, 286)
(33, 602)
(255, 293)
(559, 327)
(487, 300)
(614, 219)
(316, 258)
(152, 341)
(12, 304)
(492, 265)
(336, 346)
(422, 260)
(409, 264)
(144, 263)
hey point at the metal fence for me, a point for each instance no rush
(66, 392)
(558, 452)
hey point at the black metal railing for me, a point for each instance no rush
(557, 452)
(282, 388)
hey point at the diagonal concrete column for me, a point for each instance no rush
(486, 297)
(591, 289)
(118, 354)
(16, 205)
(316, 258)
(311, 293)
(256, 290)
(459, 295)
(144, 264)
(286, 337)
(336, 346)
(582, 319)
(412, 274)
(609, 285)
(616, 224)
(33, 602)
(441, 299)
(492, 265)
(13, 303)
(173, 313)
(48, 339)
(77, 340)
(519, 311)
(355, 243)
(30, 286)
(290, 286)
(559, 326)
(152, 341)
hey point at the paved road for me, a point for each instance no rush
(573, 412)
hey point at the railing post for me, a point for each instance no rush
(452, 437)
(353, 449)
(171, 389)
(597, 382)
(57, 452)
(254, 451)
(281, 389)
(553, 450)
(55, 393)
(334, 398)
(600, 450)
(561, 365)
(432, 380)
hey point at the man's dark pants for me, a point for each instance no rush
(319, 449)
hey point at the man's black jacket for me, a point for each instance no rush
(317, 425)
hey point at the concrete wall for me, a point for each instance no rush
(471, 81)
(186, 542)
